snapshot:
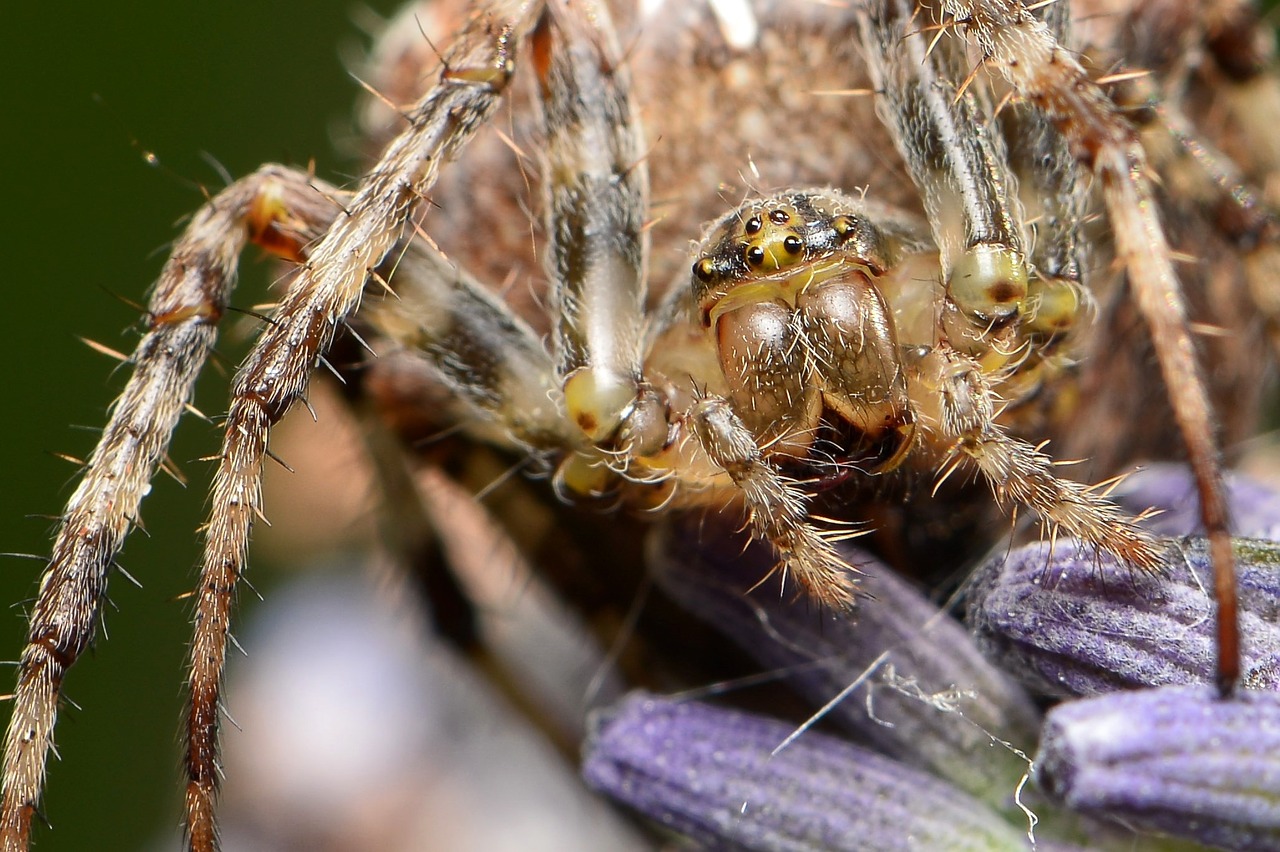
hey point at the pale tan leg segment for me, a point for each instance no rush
(596, 195)
(483, 352)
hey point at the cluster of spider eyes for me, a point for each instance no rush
(771, 250)
(755, 253)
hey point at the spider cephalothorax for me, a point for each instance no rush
(895, 299)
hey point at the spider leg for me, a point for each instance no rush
(994, 308)
(1017, 471)
(596, 186)
(972, 207)
(1234, 221)
(1203, 175)
(596, 194)
(280, 209)
(1058, 292)
(1053, 193)
(485, 354)
(1040, 70)
(475, 72)
(776, 510)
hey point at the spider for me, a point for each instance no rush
(858, 321)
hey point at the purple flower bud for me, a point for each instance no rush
(714, 775)
(1074, 622)
(1255, 508)
(924, 695)
(1178, 760)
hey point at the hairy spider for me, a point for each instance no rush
(936, 218)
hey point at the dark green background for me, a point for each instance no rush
(84, 215)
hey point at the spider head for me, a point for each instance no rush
(778, 247)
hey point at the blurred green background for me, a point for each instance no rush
(84, 217)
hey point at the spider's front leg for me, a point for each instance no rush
(284, 211)
(998, 319)
(1024, 51)
(475, 72)
(595, 200)
(596, 197)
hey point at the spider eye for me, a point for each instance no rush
(779, 217)
(754, 224)
(842, 225)
(792, 245)
(754, 256)
(704, 269)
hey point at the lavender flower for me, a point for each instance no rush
(713, 775)
(1255, 508)
(1176, 760)
(925, 694)
(1075, 622)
